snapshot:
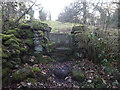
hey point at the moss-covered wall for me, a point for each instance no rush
(41, 37)
(19, 47)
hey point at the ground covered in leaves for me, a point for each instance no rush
(92, 76)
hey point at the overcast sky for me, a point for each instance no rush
(57, 6)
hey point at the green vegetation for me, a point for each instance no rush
(24, 26)
(98, 43)
(29, 42)
(36, 24)
(36, 69)
(30, 59)
(26, 73)
(59, 27)
(78, 76)
(18, 46)
(31, 80)
(43, 59)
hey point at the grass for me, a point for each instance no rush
(59, 27)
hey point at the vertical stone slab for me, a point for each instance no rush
(37, 42)
(61, 40)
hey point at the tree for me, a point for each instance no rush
(42, 15)
(8, 11)
(31, 13)
(13, 11)
(25, 12)
(49, 15)
(84, 12)
(119, 25)
(76, 12)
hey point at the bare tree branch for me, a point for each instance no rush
(25, 12)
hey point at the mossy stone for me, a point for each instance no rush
(4, 80)
(37, 26)
(78, 76)
(40, 77)
(25, 59)
(22, 74)
(19, 76)
(23, 50)
(11, 41)
(29, 34)
(41, 33)
(12, 32)
(17, 60)
(22, 33)
(5, 75)
(31, 51)
(6, 64)
(50, 46)
(31, 80)
(38, 58)
(77, 28)
(27, 72)
(5, 72)
(5, 55)
(24, 26)
(29, 42)
(35, 69)
(6, 37)
(45, 27)
(14, 46)
(17, 52)
(43, 59)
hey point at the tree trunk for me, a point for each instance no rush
(84, 13)
(119, 25)
(3, 18)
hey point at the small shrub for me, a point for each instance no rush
(78, 76)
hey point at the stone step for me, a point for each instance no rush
(62, 49)
(61, 52)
